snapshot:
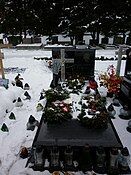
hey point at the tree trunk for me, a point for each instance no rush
(97, 37)
(124, 36)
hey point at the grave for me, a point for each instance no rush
(105, 40)
(49, 148)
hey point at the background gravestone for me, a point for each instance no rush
(118, 40)
(27, 40)
(14, 40)
(54, 39)
(104, 40)
(36, 40)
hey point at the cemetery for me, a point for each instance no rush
(65, 87)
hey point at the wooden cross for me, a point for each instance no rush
(63, 61)
(1, 65)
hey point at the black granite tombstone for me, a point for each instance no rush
(78, 62)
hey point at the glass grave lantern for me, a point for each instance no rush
(68, 156)
(38, 157)
(116, 102)
(129, 126)
(113, 157)
(111, 111)
(86, 159)
(100, 160)
(54, 156)
(125, 113)
(124, 160)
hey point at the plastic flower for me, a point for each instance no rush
(111, 80)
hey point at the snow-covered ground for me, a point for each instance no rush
(38, 76)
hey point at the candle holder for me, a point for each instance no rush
(116, 102)
(68, 156)
(86, 162)
(113, 157)
(100, 166)
(38, 158)
(129, 126)
(19, 102)
(32, 122)
(26, 86)
(26, 94)
(111, 111)
(124, 160)
(54, 162)
(125, 113)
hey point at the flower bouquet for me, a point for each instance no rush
(111, 81)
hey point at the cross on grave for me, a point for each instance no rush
(63, 61)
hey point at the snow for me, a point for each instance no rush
(38, 76)
(36, 44)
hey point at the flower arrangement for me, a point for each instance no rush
(57, 113)
(94, 116)
(111, 81)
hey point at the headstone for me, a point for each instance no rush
(36, 40)
(14, 40)
(118, 40)
(54, 39)
(27, 41)
(76, 62)
(93, 42)
(104, 40)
